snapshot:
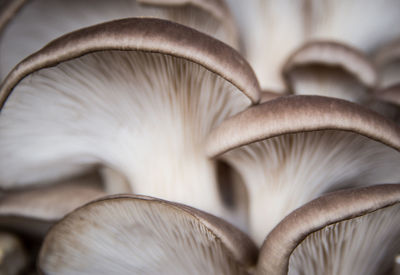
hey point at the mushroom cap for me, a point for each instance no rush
(265, 27)
(147, 35)
(29, 25)
(335, 54)
(146, 92)
(8, 8)
(32, 211)
(135, 234)
(293, 114)
(355, 222)
(293, 149)
(332, 69)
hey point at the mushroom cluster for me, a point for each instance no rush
(199, 137)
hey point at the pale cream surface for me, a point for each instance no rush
(133, 237)
(145, 115)
(364, 245)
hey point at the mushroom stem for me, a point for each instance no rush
(177, 175)
(114, 181)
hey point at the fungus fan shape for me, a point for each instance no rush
(131, 234)
(273, 30)
(97, 98)
(353, 231)
(293, 149)
(132, 95)
(31, 24)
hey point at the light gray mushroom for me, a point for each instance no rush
(293, 149)
(331, 69)
(142, 235)
(28, 25)
(272, 30)
(347, 232)
(136, 95)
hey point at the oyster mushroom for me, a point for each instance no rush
(29, 25)
(330, 69)
(32, 211)
(142, 235)
(347, 232)
(272, 30)
(136, 95)
(293, 149)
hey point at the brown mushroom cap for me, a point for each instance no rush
(272, 30)
(293, 149)
(293, 114)
(8, 8)
(135, 234)
(138, 95)
(147, 35)
(37, 22)
(32, 211)
(330, 69)
(347, 232)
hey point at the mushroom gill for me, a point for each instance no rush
(272, 30)
(28, 25)
(136, 95)
(352, 231)
(141, 235)
(293, 149)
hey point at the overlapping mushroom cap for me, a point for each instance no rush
(136, 95)
(330, 69)
(28, 25)
(153, 107)
(293, 149)
(272, 30)
(347, 232)
(33, 210)
(142, 235)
